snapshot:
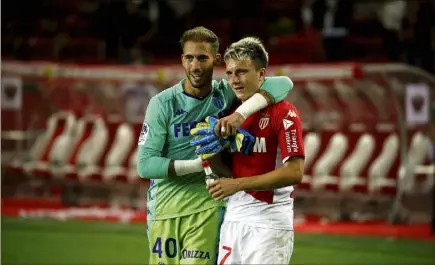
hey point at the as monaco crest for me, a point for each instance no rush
(264, 121)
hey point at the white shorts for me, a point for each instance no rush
(244, 244)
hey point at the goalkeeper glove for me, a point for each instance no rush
(206, 142)
(243, 142)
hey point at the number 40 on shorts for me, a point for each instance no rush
(168, 247)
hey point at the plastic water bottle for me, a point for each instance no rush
(209, 175)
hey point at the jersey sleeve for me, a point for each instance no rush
(152, 138)
(278, 87)
(289, 128)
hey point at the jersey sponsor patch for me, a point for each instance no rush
(287, 123)
(143, 134)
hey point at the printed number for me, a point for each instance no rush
(157, 248)
(228, 249)
(170, 247)
(169, 253)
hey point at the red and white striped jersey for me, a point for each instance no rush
(275, 127)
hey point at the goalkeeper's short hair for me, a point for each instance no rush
(200, 34)
(248, 48)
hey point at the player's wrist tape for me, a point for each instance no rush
(252, 105)
(184, 167)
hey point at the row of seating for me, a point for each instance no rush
(93, 148)
(364, 162)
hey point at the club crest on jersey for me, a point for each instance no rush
(264, 121)
(218, 101)
(143, 134)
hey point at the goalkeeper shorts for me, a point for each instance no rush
(190, 239)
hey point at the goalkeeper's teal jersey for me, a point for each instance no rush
(169, 118)
(165, 136)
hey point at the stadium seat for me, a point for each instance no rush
(333, 154)
(312, 143)
(416, 157)
(86, 148)
(352, 168)
(59, 127)
(120, 147)
(378, 179)
(115, 133)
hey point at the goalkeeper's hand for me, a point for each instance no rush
(206, 142)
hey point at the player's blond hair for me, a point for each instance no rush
(200, 34)
(248, 48)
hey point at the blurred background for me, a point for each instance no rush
(77, 76)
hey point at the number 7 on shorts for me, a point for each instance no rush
(225, 257)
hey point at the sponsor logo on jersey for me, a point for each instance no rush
(195, 254)
(260, 145)
(218, 101)
(143, 133)
(291, 140)
(287, 123)
(182, 129)
(264, 121)
(291, 114)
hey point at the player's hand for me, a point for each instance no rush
(228, 125)
(222, 188)
(206, 142)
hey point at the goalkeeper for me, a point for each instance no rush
(183, 220)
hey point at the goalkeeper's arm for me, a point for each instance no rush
(150, 163)
(274, 89)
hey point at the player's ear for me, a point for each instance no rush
(262, 74)
(218, 59)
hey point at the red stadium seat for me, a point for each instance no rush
(59, 128)
(351, 170)
(87, 147)
(126, 171)
(322, 177)
(378, 175)
(120, 143)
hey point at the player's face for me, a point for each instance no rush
(198, 61)
(244, 79)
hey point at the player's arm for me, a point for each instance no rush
(150, 163)
(292, 152)
(287, 124)
(273, 90)
(289, 174)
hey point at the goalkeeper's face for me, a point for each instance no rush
(198, 61)
(245, 79)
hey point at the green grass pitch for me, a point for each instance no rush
(73, 242)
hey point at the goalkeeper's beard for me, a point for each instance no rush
(203, 83)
